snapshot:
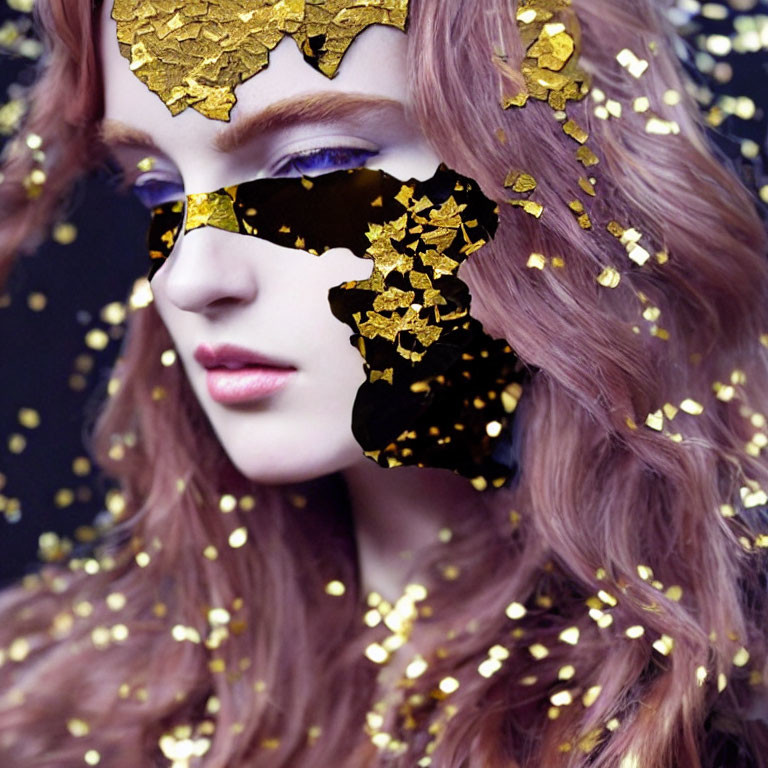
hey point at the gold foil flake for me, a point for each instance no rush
(449, 685)
(195, 55)
(92, 757)
(531, 207)
(536, 261)
(572, 129)
(586, 156)
(587, 185)
(520, 181)
(570, 636)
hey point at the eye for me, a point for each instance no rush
(155, 192)
(325, 159)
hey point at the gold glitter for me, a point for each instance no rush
(449, 685)
(566, 672)
(701, 675)
(195, 55)
(92, 757)
(97, 339)
(609, 278)
(536, 261)
(64, 498)
(29, 418)
(656, 125)
(116, 601)
(741, 658)
(416, 668)
(142, 559)
(37, 302)
(692, 407)
(561, 698)
(570, 635)
(376, 653)
(635, 66)
(664, 645)
(238, 538)
(515, 611)
(538, 651)
(65, 233)
(335, 589)
(641, 104)
(590, 695)
(227, 503)
(634, 632)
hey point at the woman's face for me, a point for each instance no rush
(286, 417)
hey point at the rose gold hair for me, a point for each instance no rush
(599, 495)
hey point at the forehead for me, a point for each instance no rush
(373, 70)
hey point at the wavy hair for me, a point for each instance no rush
(616, 589)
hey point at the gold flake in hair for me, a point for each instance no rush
(550, 34)
(194, 54)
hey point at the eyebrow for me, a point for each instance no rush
(323, 107)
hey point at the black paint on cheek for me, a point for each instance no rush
(439, 391)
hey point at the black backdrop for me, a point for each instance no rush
(48, 363)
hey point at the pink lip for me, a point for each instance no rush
(256, 377)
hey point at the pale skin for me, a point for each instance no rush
(219, 287)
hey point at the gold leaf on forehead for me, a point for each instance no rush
(194, 54)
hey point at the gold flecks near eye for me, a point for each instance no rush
(146, 164)
(550, 33)
(196, 54)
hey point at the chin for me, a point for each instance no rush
(291, 467)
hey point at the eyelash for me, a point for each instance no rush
(345, 157)
(154, 192)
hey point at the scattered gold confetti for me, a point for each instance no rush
(609, 278)
(335, 589)
(238, 538)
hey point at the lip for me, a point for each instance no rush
(239, 375)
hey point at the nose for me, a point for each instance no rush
(208, 269)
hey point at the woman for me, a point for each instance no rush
(585, 587)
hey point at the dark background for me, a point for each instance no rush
(53, 324)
